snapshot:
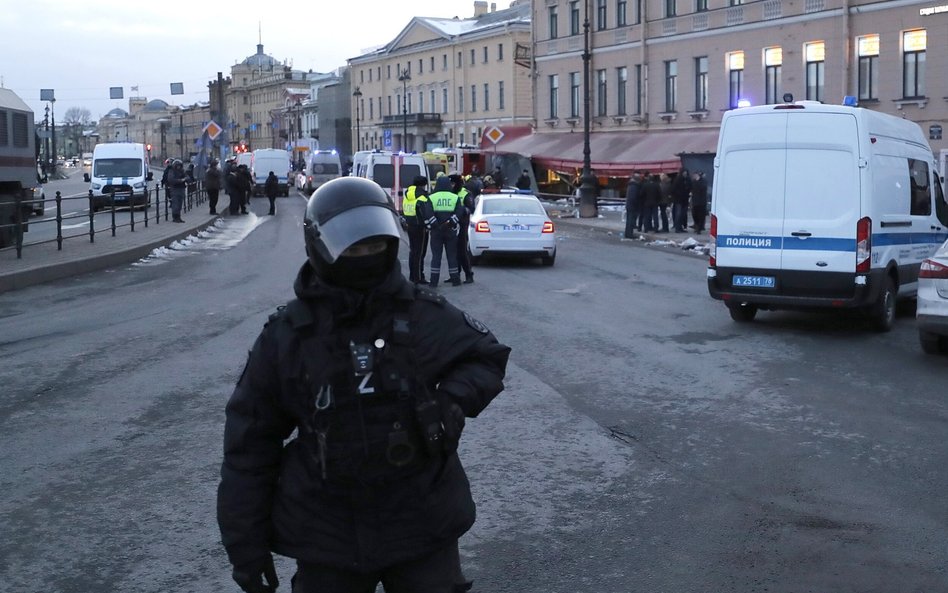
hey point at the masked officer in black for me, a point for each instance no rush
(375, 376)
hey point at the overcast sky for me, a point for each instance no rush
(81, 49)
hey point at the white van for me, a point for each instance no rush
(120, 167)
(394, 172)
(264, 160)
(321, 166)
(821, 206)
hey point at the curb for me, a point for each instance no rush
(58, 271)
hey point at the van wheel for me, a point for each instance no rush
(932, 343)
(883, 312)
(742, 312)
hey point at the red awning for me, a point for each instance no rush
(616, 154)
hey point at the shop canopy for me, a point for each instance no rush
(613, 154)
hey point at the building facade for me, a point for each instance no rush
(442, 82)
(678, 65)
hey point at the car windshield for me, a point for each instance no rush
(512, 206)
(118, 168)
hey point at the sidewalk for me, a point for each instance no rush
(611, 221)
(44, 263)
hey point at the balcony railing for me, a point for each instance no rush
(412, 119)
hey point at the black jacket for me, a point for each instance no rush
(271, 497)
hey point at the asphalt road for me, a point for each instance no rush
(645, 442)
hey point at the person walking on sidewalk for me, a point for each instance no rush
(271, 187)
(699, 201)
(633, 206)
(178, 187)
(442, 215)
(212, 183)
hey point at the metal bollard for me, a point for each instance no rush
(112, 200)
(59, 221)
(91, 219)
(131, 210)
(18, 224)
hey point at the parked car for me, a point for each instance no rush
(932, 311)
(511, 223)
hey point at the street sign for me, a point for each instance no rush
(494, 134)
(213, 130)
(387, 138)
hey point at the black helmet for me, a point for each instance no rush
(341, 213)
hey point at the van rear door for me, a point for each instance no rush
(822, 193)
(748, 198)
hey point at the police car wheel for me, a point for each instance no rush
(548, 260)
(932, 343)
(742, 312)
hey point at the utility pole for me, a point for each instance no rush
(588, 207)
(52, 111)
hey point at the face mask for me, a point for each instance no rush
(359, 273)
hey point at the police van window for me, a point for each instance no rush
(408, 172)
(920, 188)
(941, 208)
(384, 175)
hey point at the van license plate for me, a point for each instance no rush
(753, 281)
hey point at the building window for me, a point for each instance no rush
(431, 65)
(671, 85)
(500, 52)
(574, 18)
(460, 99)
(601, 15)
(574, 96)
(701, 5)
(670, 8)
(638, 12)
(431, 101)
(601, 96)
(370, 75)
(388, 71)
(390, 105)
(408, 103)
(773, 69)
(500, 95)
(638, 89)
(554, 33)
(485, 54)
(554, 96)
(421, 66)
(398, 103)
(378, 73)
(622, 82)
(459, 62)
(421, 101)
(701, 83)
(371, 108)
(914, 44)
(472, 57)
(622, 18)
(815, 68)
(473, 98)
(444, 100)
(444, 61)
(361, 76)
(735, 70)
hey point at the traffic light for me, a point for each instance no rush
(148, 147)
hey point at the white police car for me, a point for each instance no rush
(932, 310)
(511, 223)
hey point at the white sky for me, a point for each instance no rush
(80, 49)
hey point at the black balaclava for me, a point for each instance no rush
(363, 272)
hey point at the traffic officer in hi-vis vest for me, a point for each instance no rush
(467, 208)
(417, 232)
(442, 215)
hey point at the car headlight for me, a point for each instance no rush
(138, 185)
(96, 186)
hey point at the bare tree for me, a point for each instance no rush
(76, 119)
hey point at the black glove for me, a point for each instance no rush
(250, 576)
(452, 420)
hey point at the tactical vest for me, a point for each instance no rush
(369, 416)
(408, 204)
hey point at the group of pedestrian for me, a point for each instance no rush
(176, 181)
(648, 197)
(238, 184)
(439, 219)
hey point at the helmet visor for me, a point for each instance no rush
(351, 226)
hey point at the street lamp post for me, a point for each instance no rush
(404, 77)
(52, 112)
(588, 207)
(358, 97)
(46, 142)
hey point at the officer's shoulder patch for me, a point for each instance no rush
(426, 294)
(477, 325)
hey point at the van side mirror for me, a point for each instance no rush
(148, 177)
(85, 176)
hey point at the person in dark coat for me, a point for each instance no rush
(244, 186)
(633, 206)
(699, 201)
(523, 182)
(373, 378)
(231, 185)
(681, 193)
(271, 187)
(464, 219)
(177, 186)
(416, 193)
(651, 196)
(212, 184)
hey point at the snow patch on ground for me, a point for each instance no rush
(224, 234)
